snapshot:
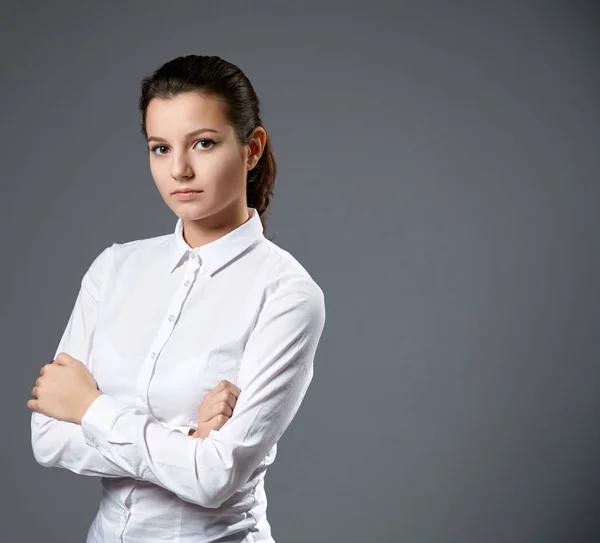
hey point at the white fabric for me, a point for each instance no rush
(159, 324)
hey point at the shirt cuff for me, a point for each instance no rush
(97, 423)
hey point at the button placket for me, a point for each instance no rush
(165, 330)
(190, 272)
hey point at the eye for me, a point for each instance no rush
(153, 149)
(212, 142)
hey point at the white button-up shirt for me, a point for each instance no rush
(159, 324)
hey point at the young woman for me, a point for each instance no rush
(187, 355)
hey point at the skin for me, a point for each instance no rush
(216, 408)
(213, 162)
(194, 162)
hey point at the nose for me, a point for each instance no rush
(180, 167)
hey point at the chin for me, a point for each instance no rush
(194, 213)
(200, 211)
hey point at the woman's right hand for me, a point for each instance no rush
(216, 408)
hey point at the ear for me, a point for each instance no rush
(256, 146)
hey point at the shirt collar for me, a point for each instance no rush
(216, 254)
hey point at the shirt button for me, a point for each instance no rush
(142, 398)
(171, 318)
(153, 355)
(192, 254)
(186, 284)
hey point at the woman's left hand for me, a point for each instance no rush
(64, 390)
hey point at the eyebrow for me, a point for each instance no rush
(188, 135)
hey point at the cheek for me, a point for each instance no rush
(159, 175)
(229, 172)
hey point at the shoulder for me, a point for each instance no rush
(282, 264)
(134, 253)
(138, 247)
(119, 253)
(286, 277)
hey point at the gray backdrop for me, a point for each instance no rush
(438, 176)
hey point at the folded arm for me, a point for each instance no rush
(57, 443)
(275, 371)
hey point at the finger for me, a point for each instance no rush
(34, 392)
(226, 385)
(228, 397)
(45, 368)
(221, 408)
(235, 390)
(217, 422)
(210, 409)
(62, 359)
(220, 396)
(32, 404)
(206, 412)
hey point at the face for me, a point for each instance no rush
(193, 147)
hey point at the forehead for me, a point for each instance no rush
(182, 113)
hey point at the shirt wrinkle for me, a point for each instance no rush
(158, 324)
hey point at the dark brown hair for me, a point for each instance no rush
(213, 76)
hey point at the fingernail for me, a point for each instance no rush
(52, 362)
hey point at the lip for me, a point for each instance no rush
(187, 194)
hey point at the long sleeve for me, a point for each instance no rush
(57, 443)
(275, 372)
